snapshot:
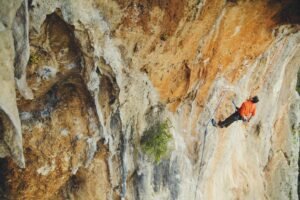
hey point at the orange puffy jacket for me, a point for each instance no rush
(247, 109)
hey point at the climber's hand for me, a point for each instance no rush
(248, 120)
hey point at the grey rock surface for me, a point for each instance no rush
(12, 137)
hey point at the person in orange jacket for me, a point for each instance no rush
(245, 113)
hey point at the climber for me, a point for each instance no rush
(245, 113)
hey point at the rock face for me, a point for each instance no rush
(11, 138)
(102, 72)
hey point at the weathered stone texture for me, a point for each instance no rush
(101, 72)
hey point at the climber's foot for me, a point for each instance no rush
(214, 123)
(220, 125)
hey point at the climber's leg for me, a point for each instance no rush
(232, 118)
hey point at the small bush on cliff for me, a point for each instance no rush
(33, 59)
(155, 141)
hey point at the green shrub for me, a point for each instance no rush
(34, 59)
(155, 141)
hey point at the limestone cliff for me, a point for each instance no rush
(83, 80)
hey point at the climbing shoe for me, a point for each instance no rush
(220, 125)
(214, 123)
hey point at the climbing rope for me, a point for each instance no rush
(204, 140)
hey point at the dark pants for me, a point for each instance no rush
(232, 118)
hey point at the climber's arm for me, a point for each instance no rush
(252, 114)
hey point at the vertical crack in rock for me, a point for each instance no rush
(167, 174)
(123, 155)
(114, 160)
(3, 184)
(21, 43)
